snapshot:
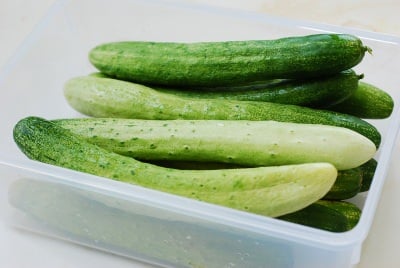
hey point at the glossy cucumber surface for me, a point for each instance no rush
(228, 62)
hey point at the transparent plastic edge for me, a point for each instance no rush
(189, 207)
(382, 170)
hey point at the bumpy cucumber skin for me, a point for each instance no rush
(247, 143)
(229, 62)
(270, 191)
(105, 97)
(333, 216)
(317, 92)
(368, 101)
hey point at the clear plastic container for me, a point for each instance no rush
(140, 223)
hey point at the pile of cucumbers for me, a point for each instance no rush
(272, 127)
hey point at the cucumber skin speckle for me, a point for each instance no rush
(226, 141)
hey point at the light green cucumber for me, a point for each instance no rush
(241, 142)
(368, 101)
(348, 183)
(105, 97)
(228, 62)
(270, 191)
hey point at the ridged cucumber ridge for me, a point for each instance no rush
(105, 97)
(221, 63)
(270, 191)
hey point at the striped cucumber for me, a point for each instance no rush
(271, 191)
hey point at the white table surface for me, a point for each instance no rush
(20, 249)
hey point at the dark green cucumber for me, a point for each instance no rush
(105, 97)
(368, 101)
(368, 171)
(270, 191)
(353, 181)
(334, 216)
(241, 142)
(228, 62)
(347, 184)
(313, 92)
(317, 92)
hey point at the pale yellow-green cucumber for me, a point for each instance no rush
(241, 142)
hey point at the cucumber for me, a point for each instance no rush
(241, 142)
(271, 191)
(350, 182)
(368, 172)
(228, 62)
(313, 92)
(368, 101)
(105, 97)
(347, 184)
(334, 216)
